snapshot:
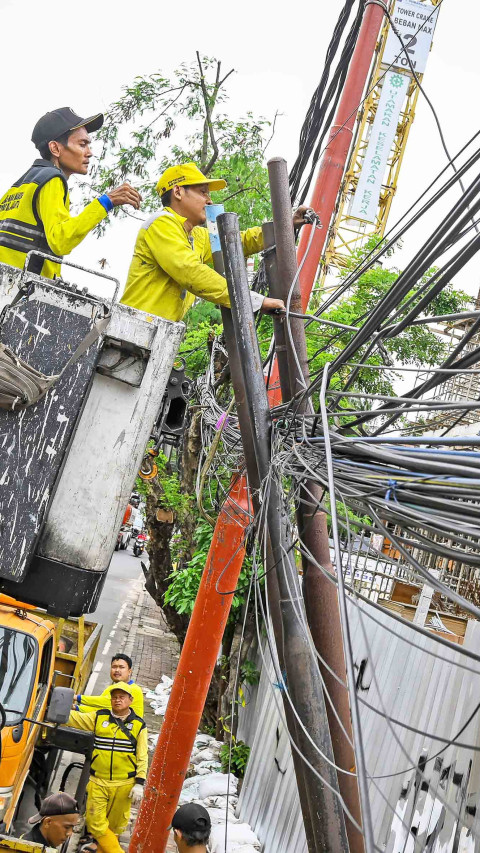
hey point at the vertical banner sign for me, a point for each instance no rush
(392, 97)
(415, 23)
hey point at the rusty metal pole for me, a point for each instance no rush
(320, 594)
(302, 674)
(213, 211)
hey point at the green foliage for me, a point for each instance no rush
(417, 346)
(172, 496)
(203, 321)
(184, 584)
(159, 121)
(249, 674)
(239, 759)
(182, 592)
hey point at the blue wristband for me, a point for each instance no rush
(106, 202)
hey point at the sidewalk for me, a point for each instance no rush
(154, 652)
(142, 633)
(153, 649)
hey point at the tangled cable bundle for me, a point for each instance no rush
(400, 486)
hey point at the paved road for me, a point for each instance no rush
(124, 570)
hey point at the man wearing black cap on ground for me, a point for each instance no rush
(191, 826)
(55, 822)
(34, 212)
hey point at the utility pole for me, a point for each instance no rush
(302, 674)
(320, 594)
(194, 674)
(301, 770)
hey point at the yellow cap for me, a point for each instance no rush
(121, 685)
(186, 175)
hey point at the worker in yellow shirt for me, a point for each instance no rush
(118, 766)
(34, 212)
(172, 262)
(120, 670)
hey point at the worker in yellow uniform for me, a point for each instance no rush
(172, 262)
(120, 670)
(118, 767)
(34, 212)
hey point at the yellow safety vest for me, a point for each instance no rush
(21, 228)
(114, 755)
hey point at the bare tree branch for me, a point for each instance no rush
(273, 131)
(208, 132)
(170, 104)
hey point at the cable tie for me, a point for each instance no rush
(281, 685)
(392, 491)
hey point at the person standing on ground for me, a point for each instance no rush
(191, 826)
(120, 670)
(118, 766)
(172, 262)
(55, 822)
(34, 212)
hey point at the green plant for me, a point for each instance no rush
(144, 132)
(249, 674)
(171, 494)
(239, 757)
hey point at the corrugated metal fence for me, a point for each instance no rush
(421, 685)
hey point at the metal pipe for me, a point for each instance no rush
(330, 173)
(194, 674)
(320, 594)
(302, 674)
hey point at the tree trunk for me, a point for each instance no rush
(161, 565)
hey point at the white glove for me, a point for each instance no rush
(136, 795)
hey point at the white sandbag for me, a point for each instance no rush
(239, 834)
(218, 816)
(201, 755)
(203, 740)
(245, 848)
(216, 785)
(191, 782)
(222, 803)
(188, 795)
(206, 767)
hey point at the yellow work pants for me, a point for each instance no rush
(108, 806)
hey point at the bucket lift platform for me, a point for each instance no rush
(68, 463)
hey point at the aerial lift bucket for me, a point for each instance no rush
(68, 463)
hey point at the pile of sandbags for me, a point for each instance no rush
(207, 785)
(158, 698)
(218, 793)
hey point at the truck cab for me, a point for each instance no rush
(34, 659)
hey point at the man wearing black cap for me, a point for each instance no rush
(191, 826)
(34, 212)
(55, 822)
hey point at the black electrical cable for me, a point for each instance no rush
(324, 101)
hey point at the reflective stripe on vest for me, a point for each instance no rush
(21, 228)
(114, 754)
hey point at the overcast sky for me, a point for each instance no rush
(80, 55)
